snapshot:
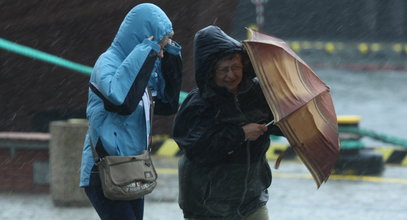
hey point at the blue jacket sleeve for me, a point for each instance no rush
(121, 83)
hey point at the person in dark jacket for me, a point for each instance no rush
(221, 130)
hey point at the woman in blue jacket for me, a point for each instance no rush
(141, 61)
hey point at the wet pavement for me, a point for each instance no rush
(293, 195)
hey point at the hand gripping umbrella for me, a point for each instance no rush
(300, 101)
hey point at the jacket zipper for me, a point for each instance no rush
(237, 104)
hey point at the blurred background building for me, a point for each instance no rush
(318, 20)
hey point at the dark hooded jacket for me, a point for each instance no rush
(221, 176)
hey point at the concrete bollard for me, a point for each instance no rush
(66, 144)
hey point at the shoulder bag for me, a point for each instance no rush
(126, 177)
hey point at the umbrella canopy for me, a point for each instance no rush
(300, 101)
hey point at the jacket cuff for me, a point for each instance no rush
(173, 49)
(241, 137)
(153, 45)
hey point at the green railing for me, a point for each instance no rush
(375, 135)
(49, 58)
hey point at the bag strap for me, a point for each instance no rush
(96, 156)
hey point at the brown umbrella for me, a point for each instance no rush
(300, 101)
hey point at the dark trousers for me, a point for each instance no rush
(112, 209)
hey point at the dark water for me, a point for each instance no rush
(379, 97)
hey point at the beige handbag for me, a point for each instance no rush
(126, 177)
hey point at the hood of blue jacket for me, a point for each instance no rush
(141, 22)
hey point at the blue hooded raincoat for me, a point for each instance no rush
(118, 107)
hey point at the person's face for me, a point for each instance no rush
(163, 43)
(229, 73)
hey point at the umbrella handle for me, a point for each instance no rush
(270, 123)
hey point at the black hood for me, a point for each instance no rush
(210, 44)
